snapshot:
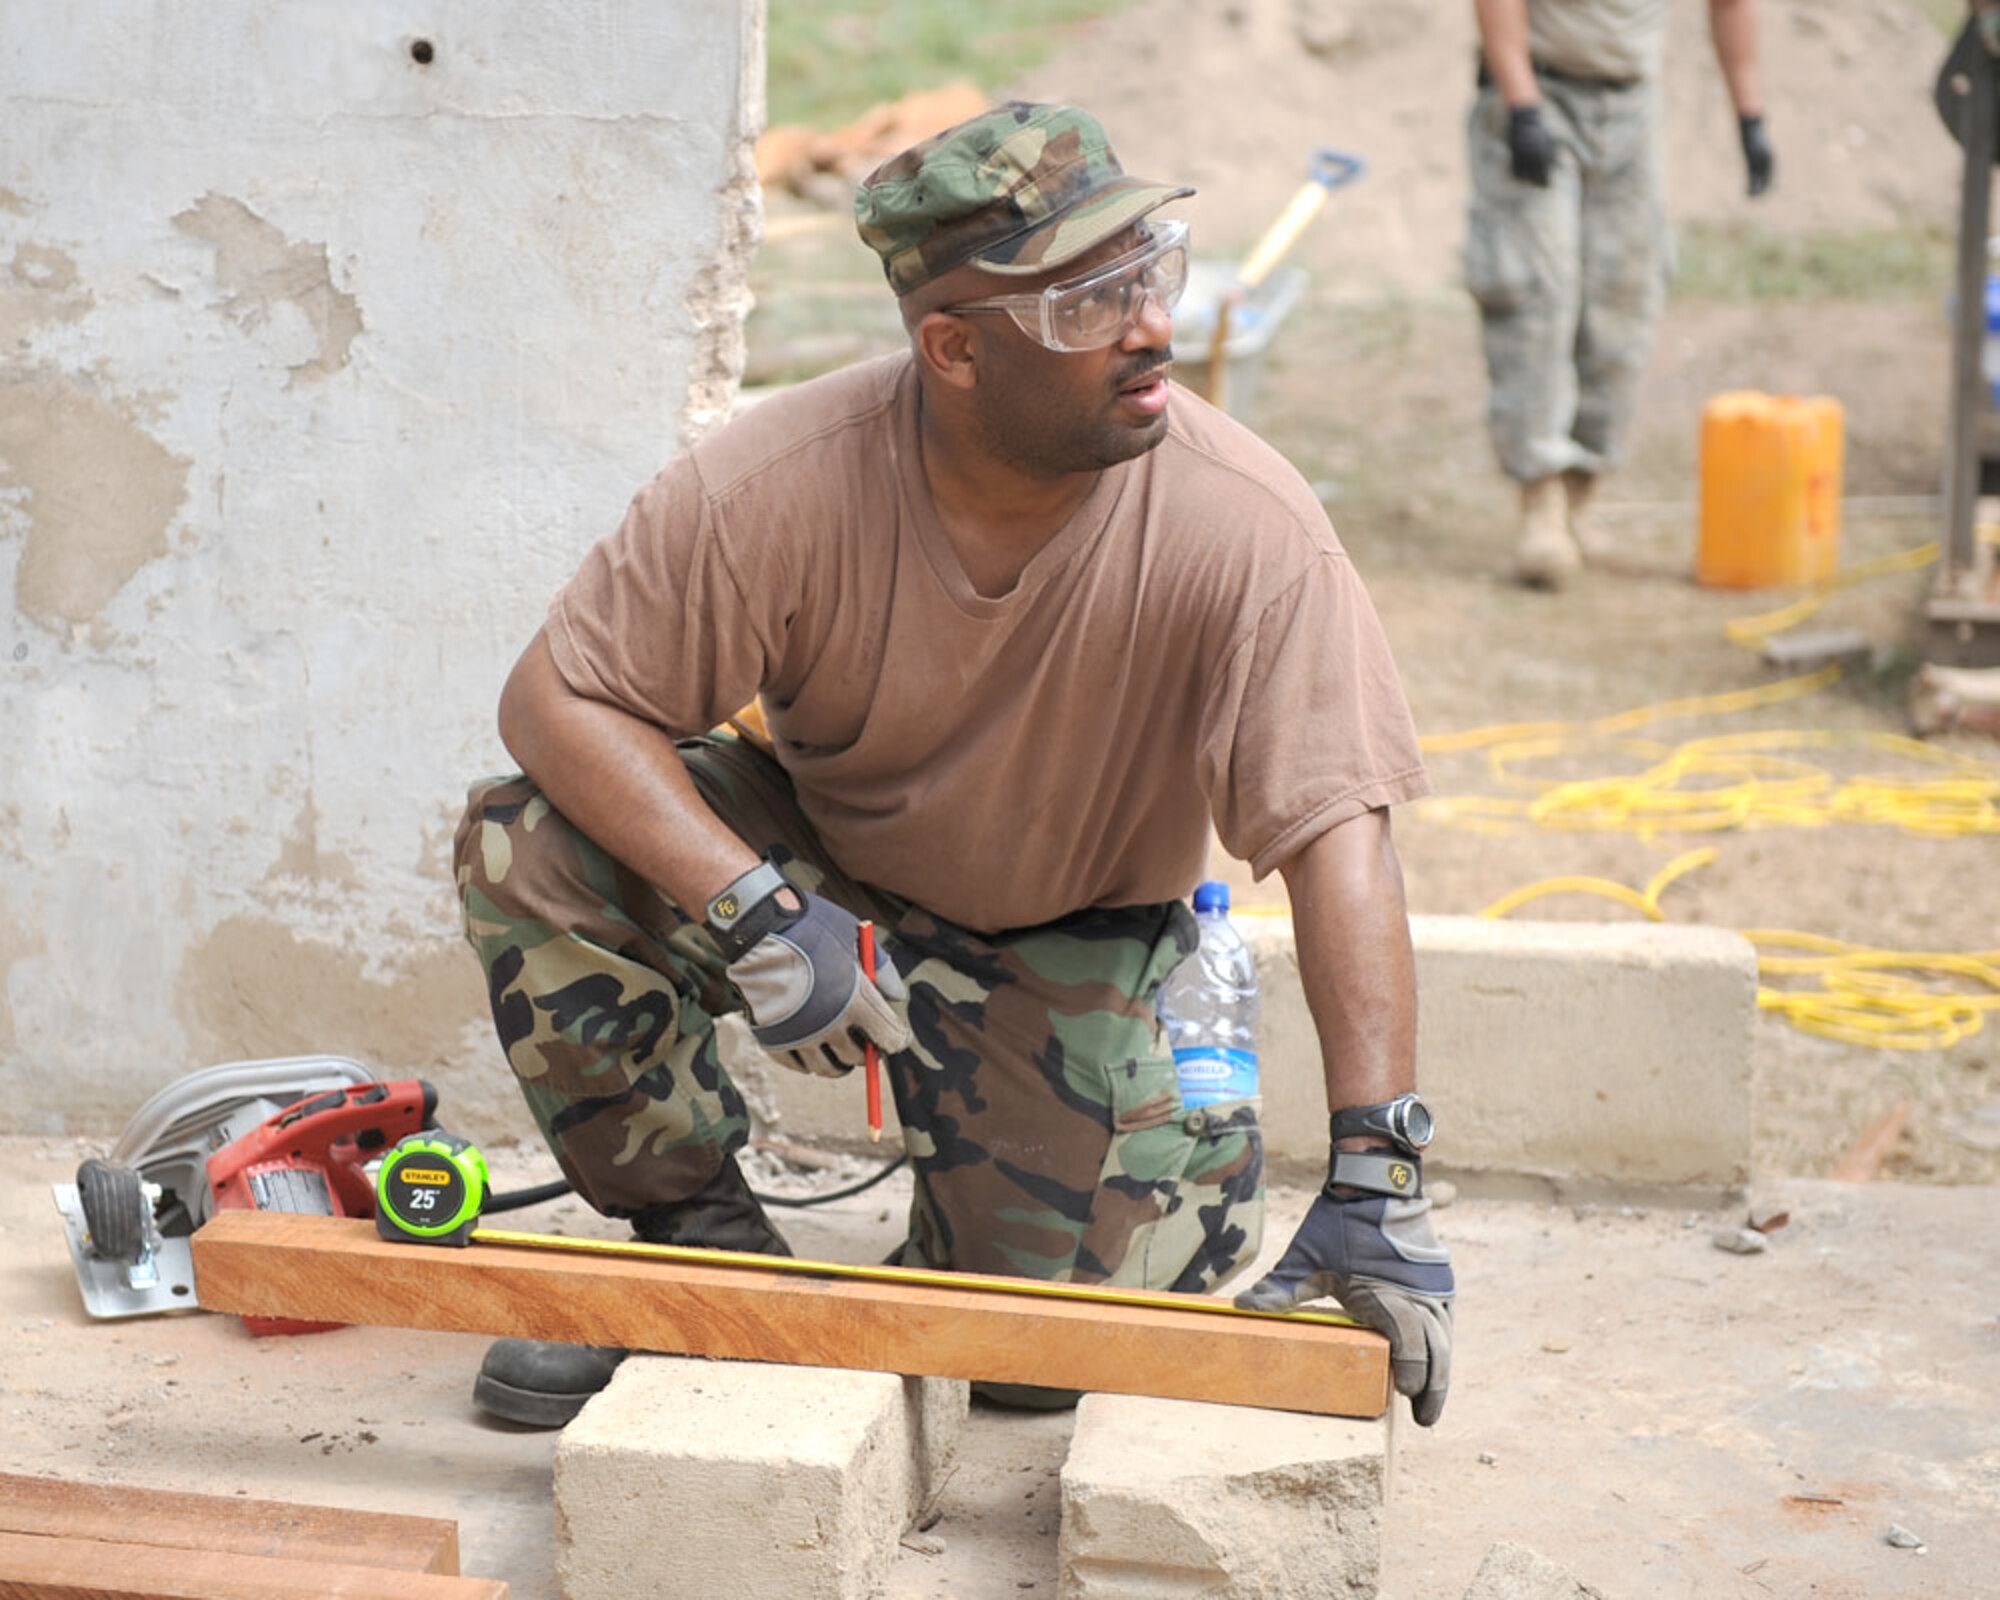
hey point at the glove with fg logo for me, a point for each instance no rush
(798, 968)
(1376, 1254)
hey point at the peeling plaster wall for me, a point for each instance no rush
(320, 367)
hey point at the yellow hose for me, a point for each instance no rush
(1885, 999)
(1863, 996)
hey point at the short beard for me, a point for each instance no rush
(1016, 426)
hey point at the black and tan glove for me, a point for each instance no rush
(798, 968)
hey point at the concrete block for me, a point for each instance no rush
(1514, 1572)
(1595, 1056)
(1163, 1499)
(745, 1479)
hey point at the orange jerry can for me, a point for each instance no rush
(1770, 490)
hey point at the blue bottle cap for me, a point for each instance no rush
(1211, 896)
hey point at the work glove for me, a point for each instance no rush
(1531, 149)
(810, 1003)
(1759, 159)
(1378, 1257)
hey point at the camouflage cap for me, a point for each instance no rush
(1018, 189)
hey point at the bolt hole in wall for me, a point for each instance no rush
(422, 52)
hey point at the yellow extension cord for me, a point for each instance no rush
(1865, 996)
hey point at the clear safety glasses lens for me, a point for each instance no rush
(1092, 312)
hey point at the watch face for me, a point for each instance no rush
(1416, 1120)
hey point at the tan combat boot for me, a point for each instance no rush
(1579, 489)
(1547, 556)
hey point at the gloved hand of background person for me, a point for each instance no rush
(1378, 1256)
(1759, 159)
(810, 1003)
(1530, 147)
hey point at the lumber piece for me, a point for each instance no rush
(229, 1524)
(36, 1567)
(270, 1263)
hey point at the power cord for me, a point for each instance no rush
(515, 1199)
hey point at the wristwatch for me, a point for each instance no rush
(746, 909)
(1405, 1121)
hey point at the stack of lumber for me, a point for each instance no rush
(61, 1540)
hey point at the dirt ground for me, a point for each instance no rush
(1668, 1421)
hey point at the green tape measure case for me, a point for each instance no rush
(430, 1189)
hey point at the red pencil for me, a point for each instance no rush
(873, 1069)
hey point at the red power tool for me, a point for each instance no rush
(290, 1134)
(308, 1158)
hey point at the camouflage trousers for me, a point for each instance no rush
(1039, 1103)
(1569, 279)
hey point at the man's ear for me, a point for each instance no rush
(949, 347)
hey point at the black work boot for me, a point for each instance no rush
(544, 1384)
(540, 1382)
(722, 1215)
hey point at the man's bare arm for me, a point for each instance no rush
(1503, 37)
(1732, 24)
(1371, 1249)
(619, 780)
(1355, 961)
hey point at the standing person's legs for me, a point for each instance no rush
(1523, 266)
(1627, 260)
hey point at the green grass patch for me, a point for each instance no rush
(1947, 16)
(1733, 262)
(830, 60)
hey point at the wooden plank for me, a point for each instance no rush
(270, 1263)
(35, 1567)
(230, 1524)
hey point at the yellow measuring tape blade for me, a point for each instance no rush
(900, 1275)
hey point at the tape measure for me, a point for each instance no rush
(431, 1188)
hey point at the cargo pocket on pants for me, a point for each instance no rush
(1181, 1199)
(1497, 270)
(1217, 1223)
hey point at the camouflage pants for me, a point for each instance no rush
(1569, 279)
(1039, 1103)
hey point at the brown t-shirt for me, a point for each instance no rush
(1193, 642)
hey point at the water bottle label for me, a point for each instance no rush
(1211, 1072)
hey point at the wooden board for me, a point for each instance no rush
(118, 1513)
(268, 1263)
(35, 1567)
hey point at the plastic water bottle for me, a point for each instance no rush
(1209, 1008)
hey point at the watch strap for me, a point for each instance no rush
(1354, 1122)
(1377, 1172)
(746, 909)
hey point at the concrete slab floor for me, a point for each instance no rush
(1662, 1418)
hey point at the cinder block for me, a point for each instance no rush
(1164, 1499)
(1514, 1572)
(746, 1479)
(1594, 1055)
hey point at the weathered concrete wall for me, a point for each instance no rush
(330, 336)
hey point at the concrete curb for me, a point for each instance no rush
(1582, 1059)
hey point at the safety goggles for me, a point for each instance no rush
(1099, 308)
